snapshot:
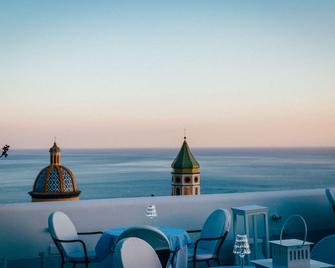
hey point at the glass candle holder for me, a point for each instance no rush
(241, 247)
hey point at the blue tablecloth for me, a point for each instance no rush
(178, 239)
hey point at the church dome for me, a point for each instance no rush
(55, 182)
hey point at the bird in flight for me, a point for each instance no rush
(5, 150)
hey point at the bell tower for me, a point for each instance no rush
(185, 173)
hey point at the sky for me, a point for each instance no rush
(120, 74)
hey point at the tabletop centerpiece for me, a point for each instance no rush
(291, 252)
(241, 247)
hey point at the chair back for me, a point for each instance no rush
(134, 252)
(154, 237)
(324, 250)
(330, 198)
(216, 225)
(62, 228)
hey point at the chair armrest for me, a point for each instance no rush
(223, 237)
(89, 233)
(74, 241)
(193, 231)
(175, 251)
(209, 238)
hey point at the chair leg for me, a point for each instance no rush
(86, 264)
(194, 262)
(62, 264)
(208, 263)
(74, 265)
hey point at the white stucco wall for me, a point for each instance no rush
(23, 227)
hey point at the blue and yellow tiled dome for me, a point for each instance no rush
(55, 182)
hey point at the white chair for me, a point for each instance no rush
(324, 250)
(134, 252)
(156, 239)
(330, 198)
(212, 236)
(65, 237)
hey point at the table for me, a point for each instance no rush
(178, 238)
(267, 263)
(252, 211)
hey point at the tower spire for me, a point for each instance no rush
(185, 172)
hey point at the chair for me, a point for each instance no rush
(134, 252)
(65, 237)
(330, 198)
(324, 250)
(155, 238)
(212, 236)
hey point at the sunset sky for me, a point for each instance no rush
(112, 74)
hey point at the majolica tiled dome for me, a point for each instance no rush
(55, 182)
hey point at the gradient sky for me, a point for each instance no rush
(135, 74)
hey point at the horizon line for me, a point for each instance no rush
(192, 147)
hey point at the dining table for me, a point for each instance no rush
(178, 238)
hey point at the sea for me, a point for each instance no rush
(114, 173)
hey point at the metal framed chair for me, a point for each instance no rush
(133, 252)
(213, 234)
(156, 239)
(324, 250)
(65, 236)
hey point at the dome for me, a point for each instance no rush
(55, 182)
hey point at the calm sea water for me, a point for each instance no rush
(142, 172)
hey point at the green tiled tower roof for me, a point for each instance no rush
(185, 162)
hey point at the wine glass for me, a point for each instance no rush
(151, 212)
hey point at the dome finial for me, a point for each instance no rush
(55, 140)
(55, 154)
(184, 134)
